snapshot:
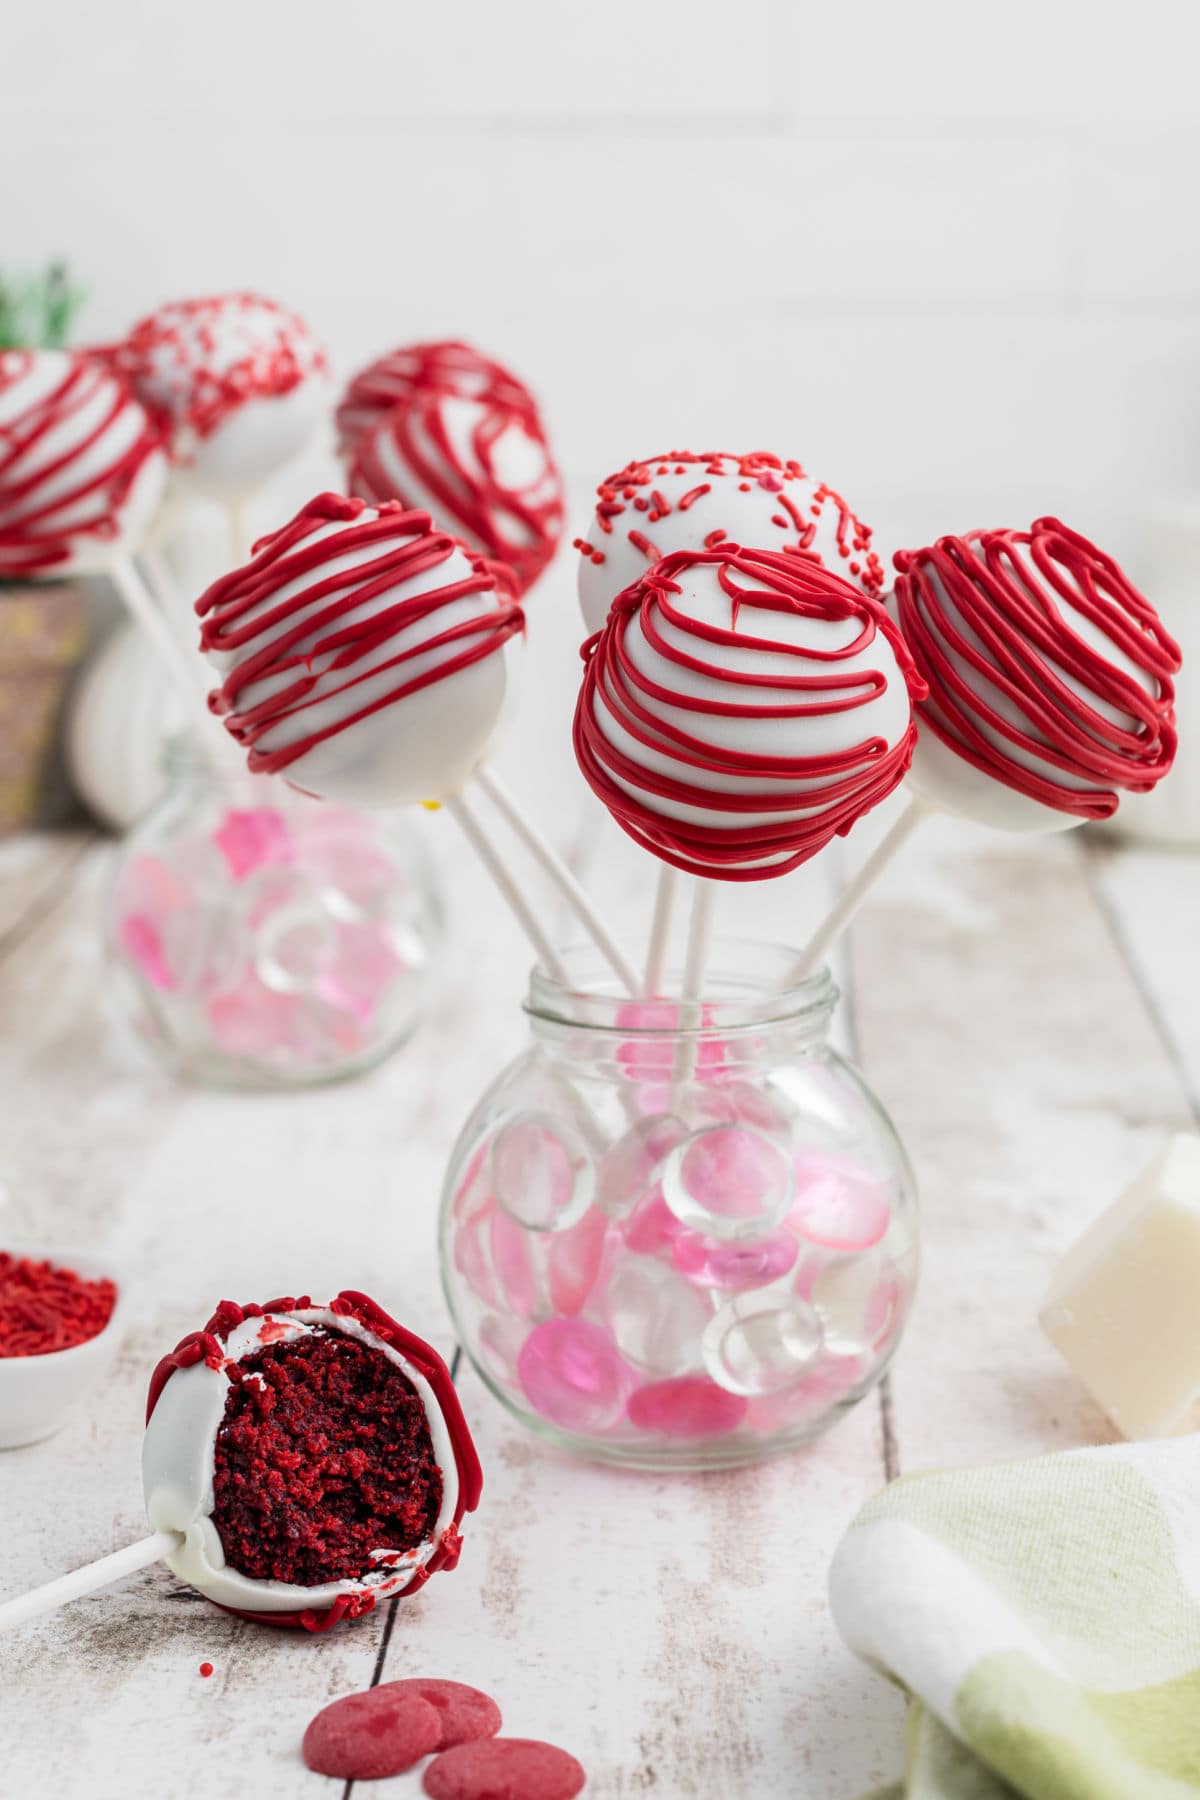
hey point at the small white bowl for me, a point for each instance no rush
(39, 1393)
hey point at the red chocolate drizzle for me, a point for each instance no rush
(994, 599)
(38, 528)
(446, 366)
(208, 1346)
(322, 650)
(520, 527)
(845, 784)
(772, 473)
(192, 339)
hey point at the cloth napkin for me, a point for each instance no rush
(1045, 1618)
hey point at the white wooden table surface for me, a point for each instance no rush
(1030, 1012)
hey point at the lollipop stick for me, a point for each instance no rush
(695, 964)
(660, 930)
(185, 677)
(504, 879)
(840, 916)
(553, 866)
(63, 1588)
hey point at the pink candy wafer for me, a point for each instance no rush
(364, 1737)
(504, 1769)
(466, 1713)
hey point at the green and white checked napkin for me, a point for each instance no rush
(1045, 1618)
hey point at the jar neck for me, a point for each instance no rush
(749, 1003)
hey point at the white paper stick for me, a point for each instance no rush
(840, 916)
(660, 930)
(552, 864)
(695, 968)
(509, 888)
(186, 676)
(63, 1588)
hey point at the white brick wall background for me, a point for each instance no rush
(947, 255)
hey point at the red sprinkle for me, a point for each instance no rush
(206, 1669)
(45, 1308)
(466, 1713)
(504, 1769)
(368, 1736)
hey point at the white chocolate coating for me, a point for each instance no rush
(178, 1472)
(742, 503)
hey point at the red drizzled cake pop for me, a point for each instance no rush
(481, 467)
(240, 381)
(1049, 678)
(688, 501)
(741, 708)
(314, 1456)
(82, 468)
(446, 366)
(365, 654)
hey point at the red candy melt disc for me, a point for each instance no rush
(465, 1712)
(367, 1736)
(504, 1769)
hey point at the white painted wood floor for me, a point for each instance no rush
(1029, 1012)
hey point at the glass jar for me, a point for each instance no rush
(680, 1235)
(266, 939)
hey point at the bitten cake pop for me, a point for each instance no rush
(240, 381)
(688, 501)
(447, 366)
(481, 467)
(82, 468)
(302, 1461)
(741, 708)
(1049, 678)
(315, 1458)
(364, 654)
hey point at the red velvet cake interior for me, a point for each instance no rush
(324, 1454)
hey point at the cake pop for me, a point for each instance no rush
(1049, 689)
(240, 382)
(688, 501)
(482, 467)
(301, 1462)
(82, 468)
(741, 708)
(446, 366)
(364, 653)
(370, 657)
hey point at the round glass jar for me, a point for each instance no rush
(680, 1235)
(267, 939)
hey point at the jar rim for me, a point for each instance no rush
(748, 985)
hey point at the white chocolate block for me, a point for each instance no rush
(1124, 1306)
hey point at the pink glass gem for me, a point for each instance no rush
(141, 941)
(471, 1197)
(631, 1165)
(512, 1258)
(838, 1204)
(687, 1407)
(250, 836)
(575, 1260)
(252, 1021)
(363, 963)
(148, 885)
(809, 1399)
(471, 1261)
(729, 1181)
(651, 1227)
(651, 1059)
(714, 1263)
(573, 1374)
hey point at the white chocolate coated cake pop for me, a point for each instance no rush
(741, 708)
(240, 381)
(364, 654)
(1049, 678)
(445, 366)
(689, 501)
(82, 469)
(314, 1456)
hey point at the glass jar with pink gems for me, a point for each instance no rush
(266, 939)
(680, 1234)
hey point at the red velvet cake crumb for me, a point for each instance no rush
(324, 1454)
(504, 1769)
(44, 1307)
(368, 1736)
(466, 1713)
